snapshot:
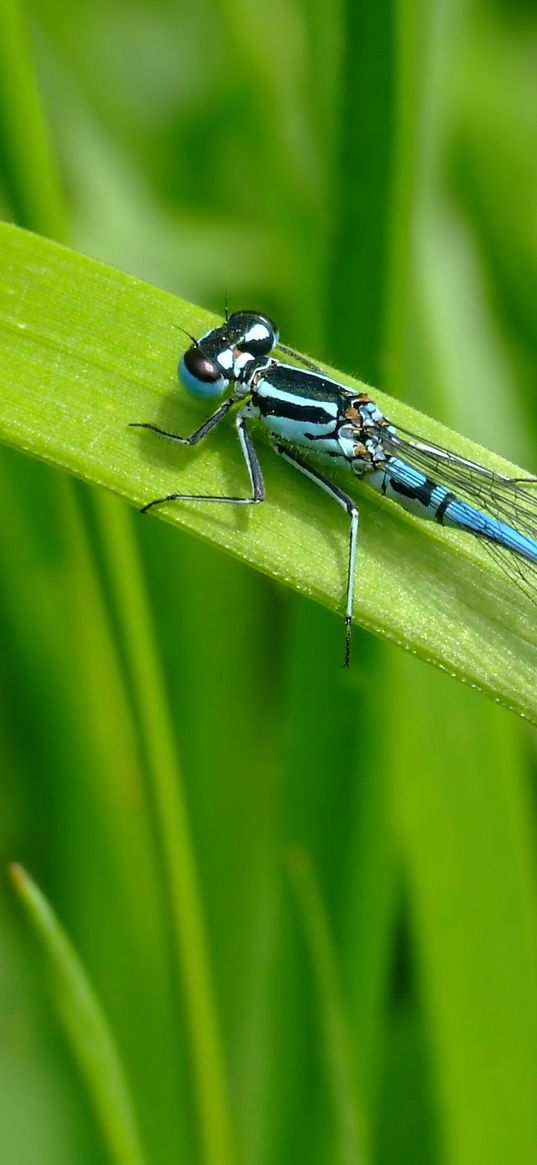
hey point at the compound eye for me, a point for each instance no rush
(200, 375)
(200, 366)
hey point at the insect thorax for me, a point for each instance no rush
(311, 410)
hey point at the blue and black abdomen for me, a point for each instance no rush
(422, 496)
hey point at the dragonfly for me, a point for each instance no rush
(313, 419)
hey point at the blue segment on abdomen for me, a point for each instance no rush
(411, 489)
(422, 496)
(465, 517)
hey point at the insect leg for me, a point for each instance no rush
(351, 509)
(252, 465)
(198, 434)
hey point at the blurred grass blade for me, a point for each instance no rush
(86, 349)
(86, 1027)
(186, 913)
(468, 857)
(338, 1040)
(30, 166)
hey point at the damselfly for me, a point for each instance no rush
(303, 409)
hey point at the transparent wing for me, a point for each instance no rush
(512, 500)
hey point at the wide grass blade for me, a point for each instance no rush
(85, 350)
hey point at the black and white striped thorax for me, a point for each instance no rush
(311, 410)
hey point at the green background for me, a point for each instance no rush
(306, 900)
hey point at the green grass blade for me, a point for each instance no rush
(336, 1033)
(30, 165)
(362, 189)
(86, 349)
(186, 914)
(87, 1029)
(468, 858)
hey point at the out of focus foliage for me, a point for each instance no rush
(363, 845)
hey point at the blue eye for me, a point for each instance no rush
(200, 375)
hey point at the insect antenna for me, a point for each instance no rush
(193, 340)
